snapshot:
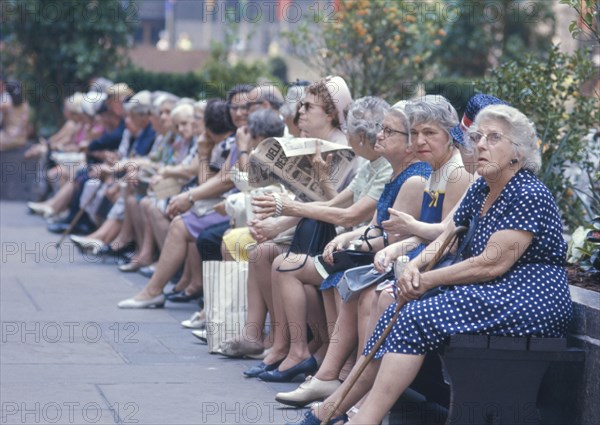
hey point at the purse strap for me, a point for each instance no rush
(365, 237)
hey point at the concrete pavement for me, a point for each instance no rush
(68, 355)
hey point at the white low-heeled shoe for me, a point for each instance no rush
(201, 335)
(155, 302)
(87, 243)
(197, 321)
(41, 209)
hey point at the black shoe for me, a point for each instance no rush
(78, 229)
(58, 227)
(181, 297)
(306, 367)
(121, 252)
(254, 371)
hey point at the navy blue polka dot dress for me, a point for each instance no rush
(532, 298)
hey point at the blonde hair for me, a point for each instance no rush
(119, 92)
(182, 109)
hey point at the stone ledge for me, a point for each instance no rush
(571, 391)
(21, 179)
(586, 312)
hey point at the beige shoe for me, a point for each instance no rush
(312, 389)
(41, 209)
(87, 243)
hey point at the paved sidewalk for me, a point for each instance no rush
(68, 355)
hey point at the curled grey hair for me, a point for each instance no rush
(432, 109)
(401, 115)
(161, 98)
(265, 123)
(521, 131)
(363, 116)
(293, 96)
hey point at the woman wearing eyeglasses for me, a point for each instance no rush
(408, 177)
(513, 282)
(321, 112)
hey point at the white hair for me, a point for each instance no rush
(521, 131)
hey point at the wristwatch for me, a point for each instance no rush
(190, 197)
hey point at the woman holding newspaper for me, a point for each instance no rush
(408, 179)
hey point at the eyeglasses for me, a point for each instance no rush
(308, 106)
(491, 139)
(387, 132)
(245, 107)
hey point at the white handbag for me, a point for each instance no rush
(225, 300)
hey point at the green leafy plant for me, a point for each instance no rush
(549, 92)
(492, 32)
(584, 247)
(55, 47)
(378, 47)
(188, 84)
(220, 73)
(586, 27)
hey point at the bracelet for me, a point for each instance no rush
(278, 204)
(190, 197)
(240, 153)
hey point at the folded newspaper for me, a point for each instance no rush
(288, 162)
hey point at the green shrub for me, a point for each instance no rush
(548, 92)
(457, 90)
(188, 84)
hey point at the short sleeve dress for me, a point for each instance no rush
(531, 299)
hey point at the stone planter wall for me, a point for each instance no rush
(571, 393)
(21, 180)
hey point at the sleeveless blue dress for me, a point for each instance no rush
(386, 200)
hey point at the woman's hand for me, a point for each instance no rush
(179, 204)
(264, 230)
(412, 284)
(111, 157)
(243, 139)
(385, 258)
(321, 168)
(220, 208)
(155, 179)
(399, 224)
(265, 206)
(337, 244)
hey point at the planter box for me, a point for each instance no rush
(571, 392)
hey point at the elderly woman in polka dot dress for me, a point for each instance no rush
(512, 283)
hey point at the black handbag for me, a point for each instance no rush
(310, 238)
(348, 258)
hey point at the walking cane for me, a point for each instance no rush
(78, 215)
(449, 241)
